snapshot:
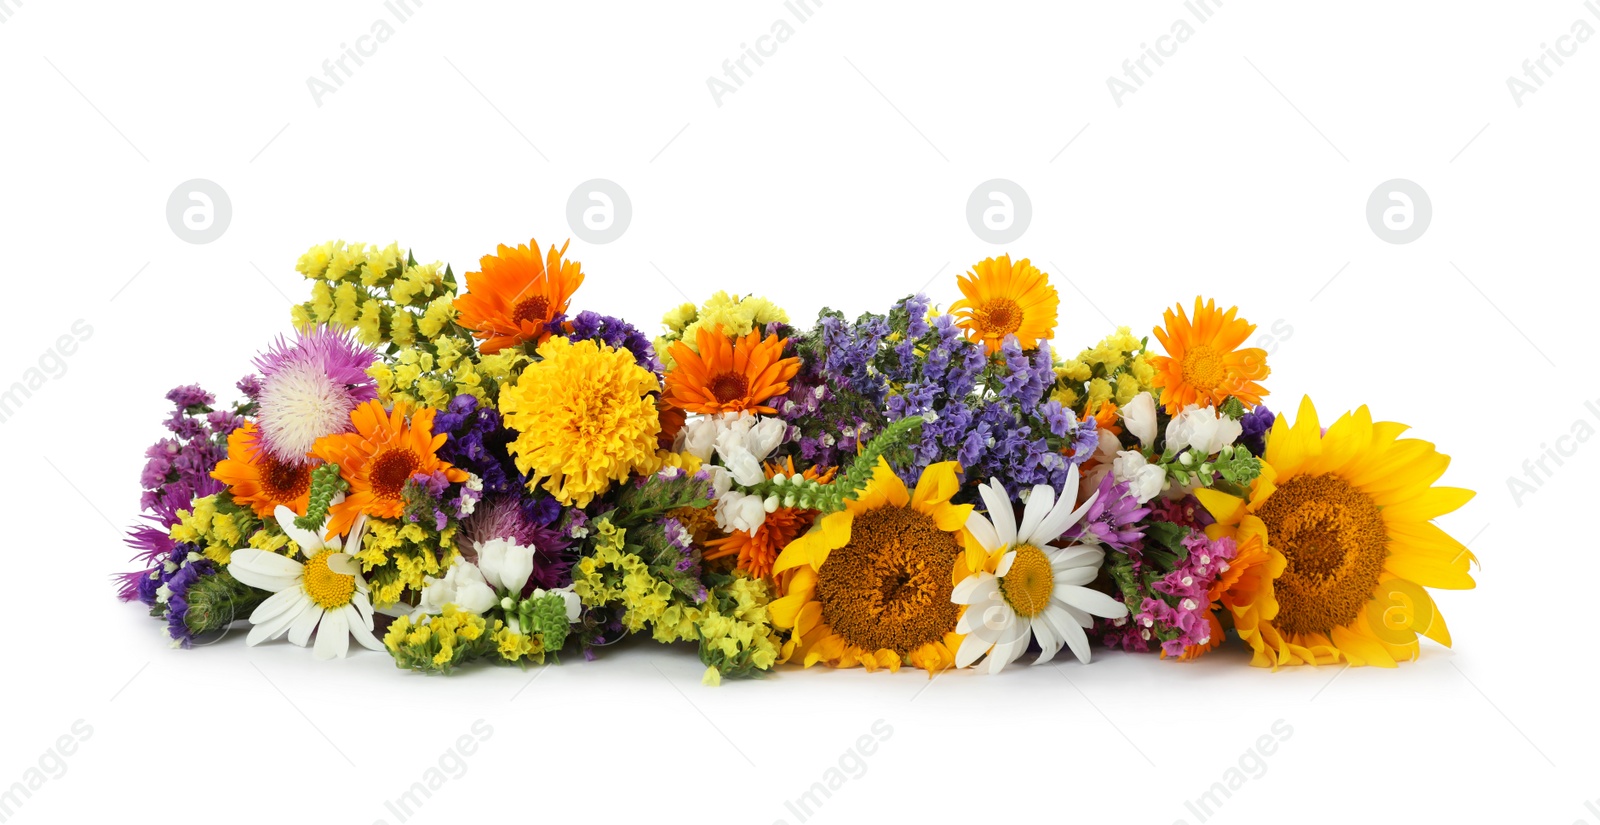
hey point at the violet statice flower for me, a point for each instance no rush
(1113, 519)
(250, 386)
(477, 444)
(1257, 423)
(525, 522)
(177, 600)
(308, 389)
(424, 499)
(617, 334)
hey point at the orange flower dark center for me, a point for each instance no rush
(1333, 537)
(390, 471)
(889, 587)
(729, 386)
(282, 481)
(998, 317)
(535, 309)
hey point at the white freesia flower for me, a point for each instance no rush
(505, 564)
(1139, 417)
(740, 511)
(326, 594)
(1144, 480)
(1036, 591)
(463, 585)
(1203, 429)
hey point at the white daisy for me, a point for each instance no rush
(1026, 589)
(325, 594)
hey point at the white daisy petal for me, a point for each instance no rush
(363, 606)
(1062, 515)
(300, 631)
(1049, 639)
(1083, 619)
(971, 648)
(1078, 555)
(344, 564)
(361, 629)
(276, 604)
(999, 507)
(1076, 576)
(1039, 504)
(333, 636)
(1091, 601)
(261, 562)
(308, 541)
(970, 586)
(279, 624)
(983, 531)
(1006, 561)
(1075, 638)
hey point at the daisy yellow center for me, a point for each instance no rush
(889, 587)
(327, 589)
(390, 471)
(1334, 540)
(1028, 584)
(535, 309)
(1203, 367)
(729, 386)
(998, 317)
(282, 481)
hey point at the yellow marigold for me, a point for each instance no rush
(585, 418)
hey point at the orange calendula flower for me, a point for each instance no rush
(1001, 298)
(258, 479)
(757, 551)
(516, 294)
(1205, 361)
(379, 458)
(725, 376)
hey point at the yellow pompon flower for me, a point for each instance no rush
(1002, 298)
(585, 417)
(1345, 519)
(1206, 359)
(870, 585)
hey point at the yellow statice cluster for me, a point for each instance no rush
(219, 527)
(397, 557)
(736, 633)
(418, 376)
(611, 575)
(1105, 376)
(735, 316)
(438, 644)
(380, 292)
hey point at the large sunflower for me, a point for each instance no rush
(1001, 298)
(1205, 361)
(728, 376)
(871, 583)
(1345, 518)
(257, 478)
(516, 295)
(377, 460)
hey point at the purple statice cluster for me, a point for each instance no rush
(835, 403)
(1176, 612)
(177, 469)
(1257, 423)
(175, 592)
(680, 545)
(477, 444)
(617, 334)
(432, 500)
(1115, 519)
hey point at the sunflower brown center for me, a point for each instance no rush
(535, 309)
(1203, 367)
(889, 587)
(1029, 583)
(998, 317)
(390, 471)
(729, 386)
(282, 481)
(1334, 540)
(329, 590)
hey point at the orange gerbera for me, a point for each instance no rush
(725, 376)
(1001, 298)
(259, 480)
(757, 551)
(379, 458)
(1205, 363)
(516, 294)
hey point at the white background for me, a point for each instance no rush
(838, 176)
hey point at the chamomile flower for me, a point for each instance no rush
(325, 594)
(1020, 587)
